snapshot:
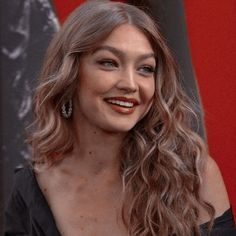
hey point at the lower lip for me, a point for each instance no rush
(122, 110)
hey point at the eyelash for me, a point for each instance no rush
(110, 64)
(146, 69)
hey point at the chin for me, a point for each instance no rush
(119, 128)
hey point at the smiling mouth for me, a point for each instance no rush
(121, 103)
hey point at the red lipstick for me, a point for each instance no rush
(124, 99)
(122, 105)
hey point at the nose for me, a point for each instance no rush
(127, 81)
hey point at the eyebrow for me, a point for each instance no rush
(120, 53)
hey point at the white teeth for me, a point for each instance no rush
(121, 103)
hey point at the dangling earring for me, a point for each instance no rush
(66, 109)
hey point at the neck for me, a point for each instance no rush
(96, 152)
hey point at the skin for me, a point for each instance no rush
(84, 191)
(213, 190)
(120, 69)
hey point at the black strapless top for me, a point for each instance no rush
(28, 213)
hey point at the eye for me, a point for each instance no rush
(108, 63)
(146, 70)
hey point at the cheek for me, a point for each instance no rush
(97, 83)
(148, 91)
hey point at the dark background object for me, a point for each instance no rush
(26, 29)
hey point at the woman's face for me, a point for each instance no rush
(116, 81)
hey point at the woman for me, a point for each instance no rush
(113, 151)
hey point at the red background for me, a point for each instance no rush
(212, 35)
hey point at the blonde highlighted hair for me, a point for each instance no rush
(162, 158)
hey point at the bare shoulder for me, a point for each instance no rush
(213, 189)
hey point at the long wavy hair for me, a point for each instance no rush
(162, 159)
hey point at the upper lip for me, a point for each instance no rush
(124, 99)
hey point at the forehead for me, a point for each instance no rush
(128, 37)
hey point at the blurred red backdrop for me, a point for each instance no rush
(212, 35)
